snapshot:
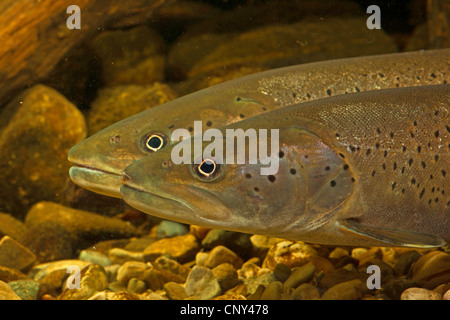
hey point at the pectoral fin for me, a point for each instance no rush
(393, 237)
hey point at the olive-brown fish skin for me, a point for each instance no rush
(100, 159)
(364, 169)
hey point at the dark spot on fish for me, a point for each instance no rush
(341, 155)
(281, 154)
(271, 178)
(353, 179)
(294, 95)
(431, 177)
(208, 123)
(393, 185)
(337, 135)
(423, 164)
(329, 92)
(432, 75)
(392, 135)
(443, 173)
(422, 193)
(419, 148)
(410, 162)
(264, 108)
(190, 129)
(171, 126)
(436, 133)
(327, 168)
(368, 151)
(436, 199)
(238, 99)
(384, 166)
(332, 183)
(413, 181)
(373, 173)
(436, 112)
(412, 134)
(345, 166)
(436, 157)
(381, 75)
(293, 171)
(403, 190)
(357, 89)
(248, 175)
(308, 95)
(256, 189)
(385, 153)
(415, 123)
(241, 115)
(378, 130)
(395, 165)
(377, 145)
(403, 148)
(403, 170)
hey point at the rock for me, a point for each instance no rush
(292, 254)
(136, 286)
(349, 290)
(305, 291)
(92, 280)
(117, 255)
(420, 294)
(84, 227)
(132, 56)
(41, 270)
(25, 289)
(221, 254)
(202, 284)
(394, 288)
(14, 255)
(253, 283)
(236, 241)
(10, 226)
(182, 248)
(199, 232)
(95, 257)
(49, 241)
(272, 291)
(168, 229)
(340, 275)
(175, 291)
(322, 265)
(132, 269)
(367, 257)
(9, 274)
(121, 295)
(338, 253)
(405, 262)
(256, 294)
(227, 276)
(198, 56)
(281, 272)
(172, 266)
(38, 128)
(53, 283)
(200, 258)
(7, 293)
(432, 269)
(113, 104)
(446, 295)
(300, 275)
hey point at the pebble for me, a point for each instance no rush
(80, 225)
(340, 275)
(7, 293)
(25, 289)
(10, 274)
(136, 286)
(260, 280)
(119, 102)
(118, 255)
(132, 269)
(236, 241)
(281, 272)
(262, 244)
(95, 257)
(38, 128)
(432, 269)
(227, 276)
(221, 254)
(394, 288)
(349, 290)
(406, 260)
(172, 266)
(300, 275)
(127, 59)
(419, 294)
(338, 252)
(10, 226)
(175, 291)
(168, 229)
(292, 254)
(202, 284)
(305, 291)
(15, 255)
(181, 248)
(446, 295)
(93, 278)
(41, 270)
(272, 291)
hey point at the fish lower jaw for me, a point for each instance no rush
(98, 181)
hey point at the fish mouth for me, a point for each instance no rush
(97, 180)
(165, 205)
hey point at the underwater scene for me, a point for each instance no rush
(225, 150)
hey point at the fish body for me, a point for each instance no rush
(100, 159)
(363, 169)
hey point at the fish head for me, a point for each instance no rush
(299, 185)
(100, 159)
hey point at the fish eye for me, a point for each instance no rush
(207, 170)
(154, 141)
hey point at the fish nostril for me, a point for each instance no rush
(166, 164)
(125, 178)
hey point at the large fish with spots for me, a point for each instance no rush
(100, 159)
(370, 169)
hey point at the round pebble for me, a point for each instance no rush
(420, 294)
(202, 284)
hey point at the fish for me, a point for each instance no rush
(362, 169)
(99, 160)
